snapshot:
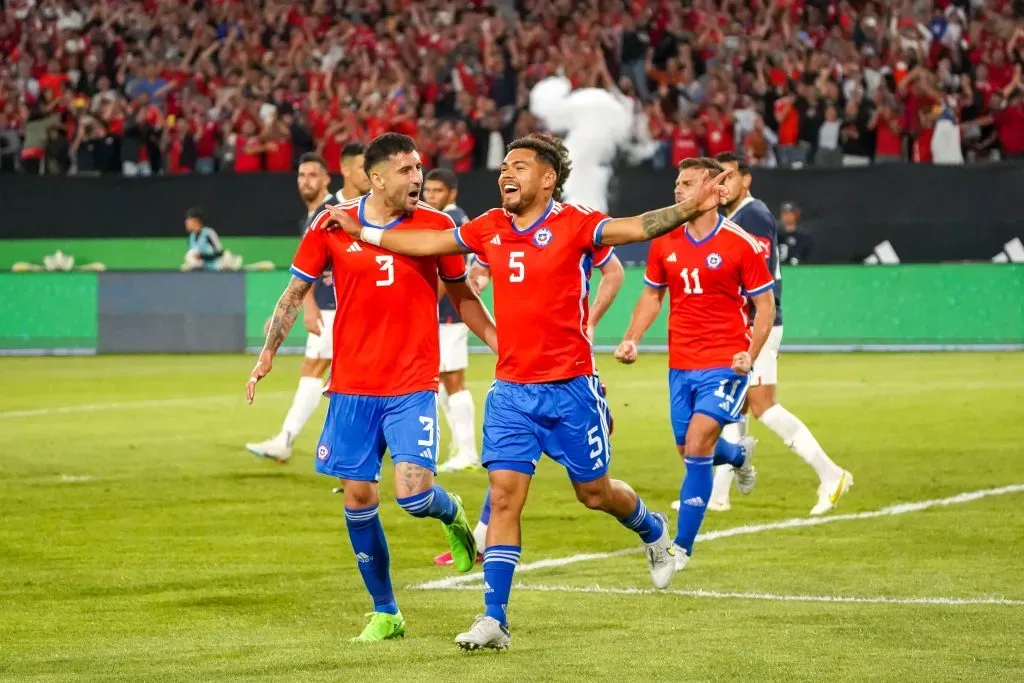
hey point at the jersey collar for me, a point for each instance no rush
(362, 216)
(748, 200)
(711, 234)
(544, 217)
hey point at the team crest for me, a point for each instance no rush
(713, 260)
(322, 452)
(542, 237)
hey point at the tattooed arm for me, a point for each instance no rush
(706, 197)
(285, 313)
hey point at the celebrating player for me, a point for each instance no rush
(706, 268)
(383, 381)
(546, 397)
(833, 481)
(319, 305)
(440, 190)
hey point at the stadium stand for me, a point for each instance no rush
(170, 86)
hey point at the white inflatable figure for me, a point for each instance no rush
(594, 124)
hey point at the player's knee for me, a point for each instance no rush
(360, 497)
(453, 382)
(592, 495)
(699, 444)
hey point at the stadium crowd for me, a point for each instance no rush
(170, 86)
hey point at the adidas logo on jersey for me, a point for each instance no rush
(696, 502)
(671, 257)
(354, 247)
(496, 241)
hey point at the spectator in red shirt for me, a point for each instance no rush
(885, 121)
(248, 149)
(718, 132)
(685, 142)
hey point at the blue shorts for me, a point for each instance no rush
(567, 420)
(717, 393)
(359, 428)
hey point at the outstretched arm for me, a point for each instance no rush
(285, 314)
(473, 312)
(407, 242)
(648, 306)
(706, 197)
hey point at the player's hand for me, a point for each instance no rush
(259, 371)
(313, 321)
(711, 193)
(590, 333)
(741, 363)
(626, 352)
(342, 220)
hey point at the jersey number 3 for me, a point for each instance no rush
(387, 266)
(695, 275)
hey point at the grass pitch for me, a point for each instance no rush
(141, 542)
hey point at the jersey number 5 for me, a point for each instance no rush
(387, 266)
(695, 274)
(515, 264)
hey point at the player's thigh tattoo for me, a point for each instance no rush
(411, 478)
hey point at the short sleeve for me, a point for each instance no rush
(754, 271)
(452, 268)
(470, 236)
(312, 256)
(655, 276)
(591, 223)
(602, 256)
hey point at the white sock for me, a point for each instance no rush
(443, 404)
(724, 474)
(307, 398)
(480, 535)
(799, 439)
(735, 431)
(462, 417)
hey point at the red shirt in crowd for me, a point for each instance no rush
(464, 146)
(279, 156)
(684, 144)
(244, 162)
(719, 137)
(1010, 126)
(888, 142)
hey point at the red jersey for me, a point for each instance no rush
(541, 281)
(385, 334)
(708, 283)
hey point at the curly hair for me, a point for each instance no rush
(551, 151)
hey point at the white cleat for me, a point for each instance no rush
(272, 449)
(660, 557)
(680, 557)
(830, 493)
(460, 462)
(485, 633)
(719, 504)
(746, 475)
(675, 505)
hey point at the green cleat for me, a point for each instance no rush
(382, 626)
(460, 539)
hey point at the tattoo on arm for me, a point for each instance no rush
(660, 221)
(285, 313)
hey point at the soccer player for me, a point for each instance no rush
(833, 481)
(612, 277)
(545, 397)
(706, 268)
(383, 381)
(440, 190)
(319, 305)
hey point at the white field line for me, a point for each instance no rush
(132, 405)
(889, 511)
(774, 597)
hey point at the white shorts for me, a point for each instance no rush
(454, 338)
(320, 346)
(766, 367)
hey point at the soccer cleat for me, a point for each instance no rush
(829, 494)
(660, 556)
(382, 626)
(460, 462)
(746, 475)
(680, 557)
(719, 504)
(460, 538)
(485, 633)
(445, 559)
(272, 449)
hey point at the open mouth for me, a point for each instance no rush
(508, 190)
(414, 194)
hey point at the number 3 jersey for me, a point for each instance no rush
(385, 330)
(541, 280)
(708, 282)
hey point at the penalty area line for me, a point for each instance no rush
(137, 405)
(771, 597)
(792, 523)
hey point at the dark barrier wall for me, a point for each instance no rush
(928, 213)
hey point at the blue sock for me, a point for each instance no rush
(485, 513)
(728, 453)
(371, 548)
(693, 499)
(499, 565)
(435, 502)
(644, 523)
